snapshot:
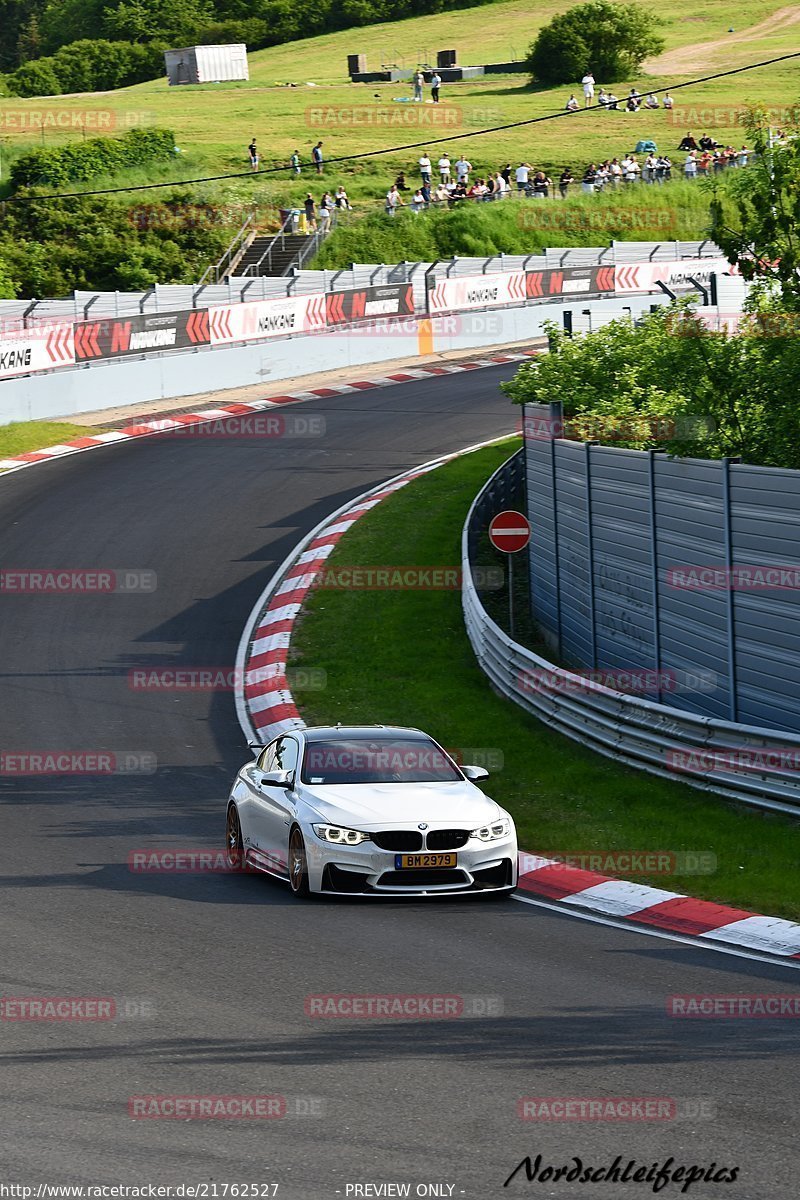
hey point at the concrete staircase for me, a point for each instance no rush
(282, 257)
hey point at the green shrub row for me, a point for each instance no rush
(79, 162)
(90, 65)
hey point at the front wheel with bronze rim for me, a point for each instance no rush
(298, 865)
(234, 845)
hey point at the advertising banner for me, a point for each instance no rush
(389, 300)
(39, 349)
(143, 333)
(477, 291)
(266, 318)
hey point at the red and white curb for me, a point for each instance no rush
(225, 411)
(266, 708)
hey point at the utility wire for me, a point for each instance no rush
(431, 141)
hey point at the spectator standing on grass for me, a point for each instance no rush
(316, 155)
(501, 186)
(663, 166)
(649, 169)
(541, 185)
(425, 167)
(602, 176)
(310, 211)
(742, 156)
(703, 163)
(690, 166)
(425, 192)
(436, 83)
(572, 104)
(631, 169)
(393, 201)
(444, 168)
(294, 163)
(419, 83)
(589, 177)
(506, 173)
(564, 183)
(325, 210)
(417, 201)
(252, 150)
(615, 172)
(441, 195)
(588, 88)
(463, 168)
(521, 175)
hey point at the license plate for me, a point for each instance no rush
(423, 860)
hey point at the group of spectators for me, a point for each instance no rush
(631, 103)
(706, 156)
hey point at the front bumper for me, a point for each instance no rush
(368, 871)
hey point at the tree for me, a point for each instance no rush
(612, 40)
(762, 234)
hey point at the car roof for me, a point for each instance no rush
(317, 733)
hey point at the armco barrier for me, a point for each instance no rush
(757, 766)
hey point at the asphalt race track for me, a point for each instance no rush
(222, 963)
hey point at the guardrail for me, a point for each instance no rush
(756, 766)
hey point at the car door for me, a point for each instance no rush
(272, 806)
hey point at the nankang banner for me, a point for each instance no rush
(39, 349)
(375, 303)
(266, 319)
(143, 333)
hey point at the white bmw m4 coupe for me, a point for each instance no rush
(368, 810)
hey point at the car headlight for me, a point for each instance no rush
(493, 832)
(341, 837)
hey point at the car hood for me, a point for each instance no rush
(398, 805)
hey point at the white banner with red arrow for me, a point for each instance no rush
(40, 349)
(266, 319)
(477, 291)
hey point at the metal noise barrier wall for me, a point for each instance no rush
(759, 767)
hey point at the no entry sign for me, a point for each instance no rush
(510, 531)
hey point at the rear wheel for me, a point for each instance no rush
(298, 864)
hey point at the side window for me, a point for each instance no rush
(266, 759)
(285, 754)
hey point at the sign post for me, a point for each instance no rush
(510, 532)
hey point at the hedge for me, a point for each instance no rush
(82, 161)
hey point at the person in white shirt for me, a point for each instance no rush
(668, 101)
(572, 104)
(630, 169)
(419, 83)
(651, 101)
(588, 88)
(501, 188)
(742, 156)
(441, 195)
(649, 169)
(393, 200)
(417, 201)
(436, 83)
(690, 166)
(521, 175)
(602, 97)
(425, 167)
(463, 168)
(444, 168)
(615, 172)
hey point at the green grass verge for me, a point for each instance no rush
(403, 657)
(22, 436)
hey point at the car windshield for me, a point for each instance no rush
(377, 760)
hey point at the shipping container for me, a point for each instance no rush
(206, 64)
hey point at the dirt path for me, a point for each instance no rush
(688, 59)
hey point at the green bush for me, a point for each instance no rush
(610, 40)
(91, 65)
(79, 162)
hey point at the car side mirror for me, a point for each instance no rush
(276, 779)
(475, 773)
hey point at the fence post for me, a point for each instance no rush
(554, 499)
(654, 569)
(590, 546)
(730, 622)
